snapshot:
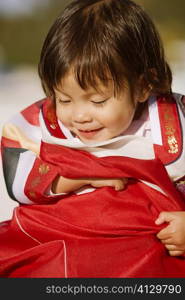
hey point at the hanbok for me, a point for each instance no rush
(92, 232)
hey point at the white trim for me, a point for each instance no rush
(155, 122)
(75, 142)
(176, 170)
(38, 242)
(84, 190)
(90, 190)
(65, 130)
(153, 186)
(50, 193)
(130, 146)
(33, 132)
(25, 164)
(22, 229)
(65, 259)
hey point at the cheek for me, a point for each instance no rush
(120, 120)
(63, 115)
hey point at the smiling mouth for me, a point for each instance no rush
(89, 133)
(93, 130)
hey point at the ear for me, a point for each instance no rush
(144, 95)
(143, 91)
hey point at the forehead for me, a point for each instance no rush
(70, 84)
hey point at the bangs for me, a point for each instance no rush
(93, 71)
(88, 48)
(102, 41)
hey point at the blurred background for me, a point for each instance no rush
(23, 27)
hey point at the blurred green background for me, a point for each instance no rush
(22, 34)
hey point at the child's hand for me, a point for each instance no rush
(14, 133)
(66, 185)
(117, 183)
(173, 236)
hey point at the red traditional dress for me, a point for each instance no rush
(91, 232)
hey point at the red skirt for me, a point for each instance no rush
(104, 233)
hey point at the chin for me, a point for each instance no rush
(94, 140)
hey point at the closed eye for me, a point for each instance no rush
(100, 102)
(64, 101)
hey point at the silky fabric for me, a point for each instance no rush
(103, 233)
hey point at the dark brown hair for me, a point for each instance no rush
(103, 39)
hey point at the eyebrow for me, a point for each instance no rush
(86, 95)
(62, 92)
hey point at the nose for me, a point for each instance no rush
(81, 115)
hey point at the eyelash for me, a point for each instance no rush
(64, 102)
(100, 102)
(94, 102)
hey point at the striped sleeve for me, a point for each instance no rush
(27, 177)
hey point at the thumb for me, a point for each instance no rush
(164, 217)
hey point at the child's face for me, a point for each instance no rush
(94, 116)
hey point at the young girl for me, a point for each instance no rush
(100, 161)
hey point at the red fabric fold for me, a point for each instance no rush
(104, 233)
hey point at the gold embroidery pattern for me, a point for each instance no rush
(44, 169)
(53, 126)
(172, 142)
(51, 118)
(170, 130)
(181, 182)
(35, 182)
(32, 194)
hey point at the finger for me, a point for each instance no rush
(119, 185)
(164, 236)
(122, 183)
(165, 233)
(164, 217)
(172, 247)
(167, 241)
(176, 253)
(103, 182)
